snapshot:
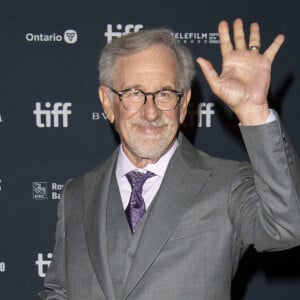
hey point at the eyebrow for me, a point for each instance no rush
(139, 87)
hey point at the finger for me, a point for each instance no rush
(209, 73)
(224, 36)
(254, 38)
(271, 52)
(239, 35)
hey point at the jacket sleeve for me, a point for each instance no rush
(264, 199)
(55, 280)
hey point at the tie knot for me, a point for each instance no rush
(137, 179)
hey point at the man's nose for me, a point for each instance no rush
(150, 111)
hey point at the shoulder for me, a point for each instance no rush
(196, 158)
(91, 177)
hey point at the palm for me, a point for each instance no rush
(244, 80)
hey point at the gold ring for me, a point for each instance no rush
(254, 48)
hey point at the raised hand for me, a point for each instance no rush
(246, 74)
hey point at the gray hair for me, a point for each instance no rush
(137, 41)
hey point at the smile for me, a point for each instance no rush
(150, 129)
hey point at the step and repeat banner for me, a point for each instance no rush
(52, 126)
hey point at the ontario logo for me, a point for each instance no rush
(70, 36)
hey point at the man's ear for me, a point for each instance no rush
(184, 105)
(107, 103)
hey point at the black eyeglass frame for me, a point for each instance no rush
(153, 94)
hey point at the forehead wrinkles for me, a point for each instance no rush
(154, 64)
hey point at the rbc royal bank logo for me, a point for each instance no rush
(55, 115)
(39, 191)
(121, 30)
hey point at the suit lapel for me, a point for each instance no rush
(184, 179)
(96, 189)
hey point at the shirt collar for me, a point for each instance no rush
(124, 165)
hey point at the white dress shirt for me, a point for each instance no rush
(152, 185)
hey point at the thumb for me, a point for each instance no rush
(209, 73)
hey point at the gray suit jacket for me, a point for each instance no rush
(206, 213)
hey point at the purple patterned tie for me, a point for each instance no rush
(136, 207)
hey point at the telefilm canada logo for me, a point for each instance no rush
(42, 190)
(120, 30)
(52, 115)
(69, 36)
(197, 37)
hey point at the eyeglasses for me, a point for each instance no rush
(135, 99)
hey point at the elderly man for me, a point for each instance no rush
(159, 219)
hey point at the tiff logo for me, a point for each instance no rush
(199, 115)
(52, 116)
(43, 264)
(205, 110)
(127, 29)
